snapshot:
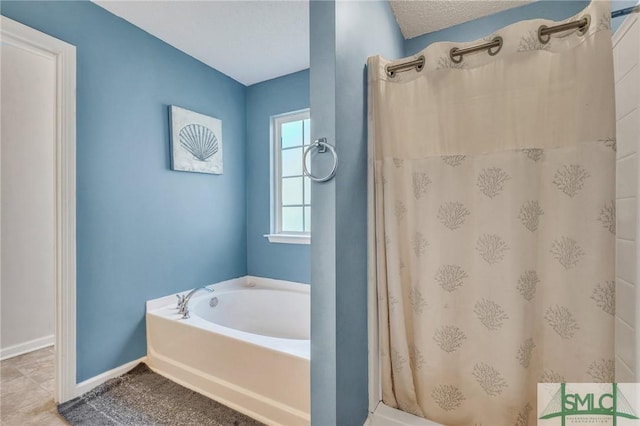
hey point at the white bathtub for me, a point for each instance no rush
(250, 351)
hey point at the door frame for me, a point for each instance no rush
(64, 55)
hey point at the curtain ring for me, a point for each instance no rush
(322, 146)
(581, 27)
(583, 30)
(453, 54)
(498, 40)
(541, 37)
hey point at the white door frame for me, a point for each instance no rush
(64, 55)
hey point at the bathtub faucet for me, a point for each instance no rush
(183, 301)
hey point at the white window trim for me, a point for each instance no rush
(276, 235)
(289, 238)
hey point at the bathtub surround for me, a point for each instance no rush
(144, 397)
(252, 340)
(273, 97)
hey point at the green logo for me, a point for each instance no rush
(565, 405)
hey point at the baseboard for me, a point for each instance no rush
(23, 348)
(89, 384)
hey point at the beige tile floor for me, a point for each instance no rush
(26, 390)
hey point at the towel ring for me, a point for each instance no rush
(322, 146)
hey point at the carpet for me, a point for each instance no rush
(142, 397)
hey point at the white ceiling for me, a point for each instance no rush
(257, 40)
(417, 17)
(250, 41)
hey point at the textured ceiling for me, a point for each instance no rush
(417, 17)
(250, 41)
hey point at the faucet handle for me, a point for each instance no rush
(180, 301)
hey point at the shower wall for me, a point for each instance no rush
(626, 55)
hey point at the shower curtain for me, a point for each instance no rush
(492, 222)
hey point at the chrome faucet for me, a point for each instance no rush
(183, 301)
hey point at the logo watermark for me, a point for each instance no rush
(611, 404)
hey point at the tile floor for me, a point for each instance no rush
(26, 390)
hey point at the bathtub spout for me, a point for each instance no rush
(184, 301)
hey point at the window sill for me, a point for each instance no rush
(289, 238)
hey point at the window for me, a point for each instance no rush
(290, 189)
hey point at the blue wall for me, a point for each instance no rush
(264, 259)
(343, 35)
(143, 231)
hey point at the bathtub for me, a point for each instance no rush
(247, 349)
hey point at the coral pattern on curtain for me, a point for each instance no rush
(493, 221)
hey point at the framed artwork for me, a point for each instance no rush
(196, 142)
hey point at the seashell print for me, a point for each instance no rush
(199, 141)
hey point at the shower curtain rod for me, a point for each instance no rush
(494, 46)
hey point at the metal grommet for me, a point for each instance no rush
(498, 40)
(585, 27)
(455, 57)
(541, 37)
(389, 73)
(322, 146)
(420, 66)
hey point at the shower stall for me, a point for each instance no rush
(492, 219)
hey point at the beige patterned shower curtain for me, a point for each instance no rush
(492, 223)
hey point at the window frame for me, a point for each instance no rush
(277, 235)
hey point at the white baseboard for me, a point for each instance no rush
(23, 348)
(89, 384)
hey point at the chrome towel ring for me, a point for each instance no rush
(322, 146)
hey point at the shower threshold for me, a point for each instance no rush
(384, 415)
